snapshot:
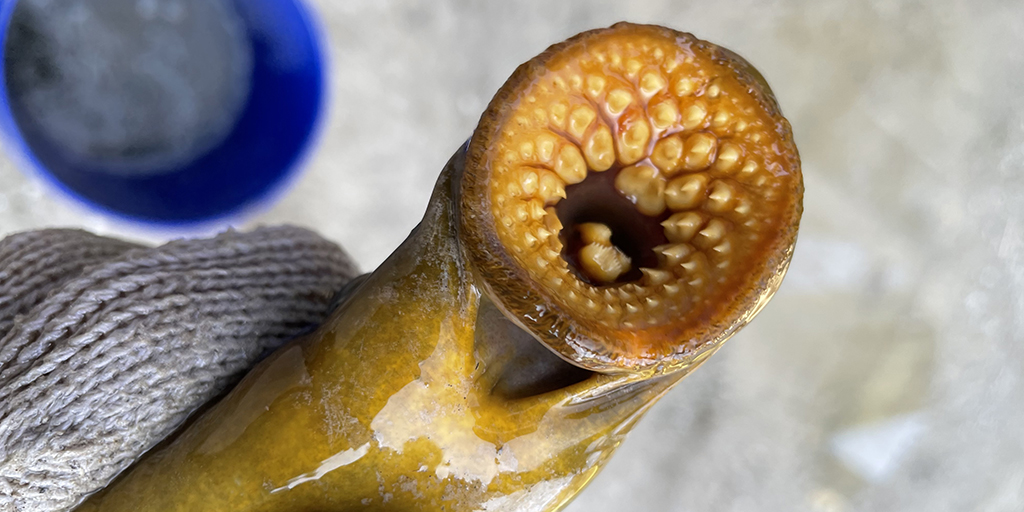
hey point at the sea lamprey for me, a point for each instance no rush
(629, 200)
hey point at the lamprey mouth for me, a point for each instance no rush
(638, 193)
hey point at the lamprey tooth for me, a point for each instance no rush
(654, 277)
(570, 165)
(580, 119)
(540, 115)
(712, 233)
(611, 311)
(695, 267)
(668, 154)
(694, 115)
(526, 150)
(749, 168)
(603, 263)
(728, 157)
(521, 213)
(551, 188)
(549, 253)
(651, 83)
(664, 115)
(551, 220)
(714, 90)
(633, 139)
(699, 151)
(536, 209)
(529, 181)
(595, 233)
(743, 207)
(642, 185)
(686, 192)
(618, 100)
(685, 87)
(595, 86)
(600, 149)
(555, 281)
(721, 197)
(576, 82)
(672, 254)
(545, 147)
(682, 227)
(514, 189)
(721, 120)
(633, 67)
(559, 113)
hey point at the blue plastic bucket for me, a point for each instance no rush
(255, 159)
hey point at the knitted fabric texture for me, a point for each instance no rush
(34, 263)
(107, 347)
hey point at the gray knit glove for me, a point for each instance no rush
(106, 347)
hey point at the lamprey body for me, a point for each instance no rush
(629, 200)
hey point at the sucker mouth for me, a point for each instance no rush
(645, 183)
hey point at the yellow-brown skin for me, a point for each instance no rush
(408, 398)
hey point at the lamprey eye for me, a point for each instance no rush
(638, 192)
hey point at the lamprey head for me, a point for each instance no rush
(631, 197)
